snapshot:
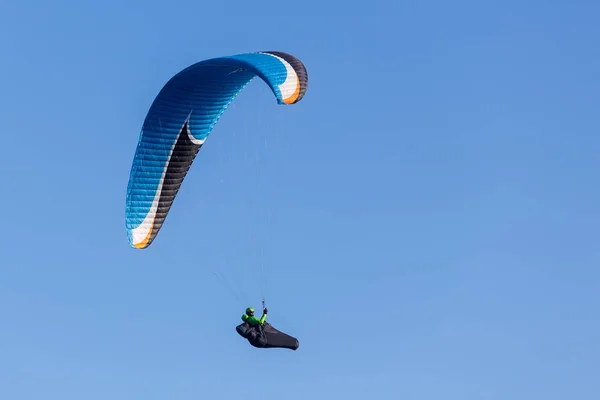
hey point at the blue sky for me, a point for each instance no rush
(426, 217)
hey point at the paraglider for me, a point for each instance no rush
(261, 334)
(176, 127)
(179, 121)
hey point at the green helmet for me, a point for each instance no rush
(250, 311)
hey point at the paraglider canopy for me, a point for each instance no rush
(180, 120)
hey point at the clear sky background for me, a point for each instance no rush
(426, 218)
